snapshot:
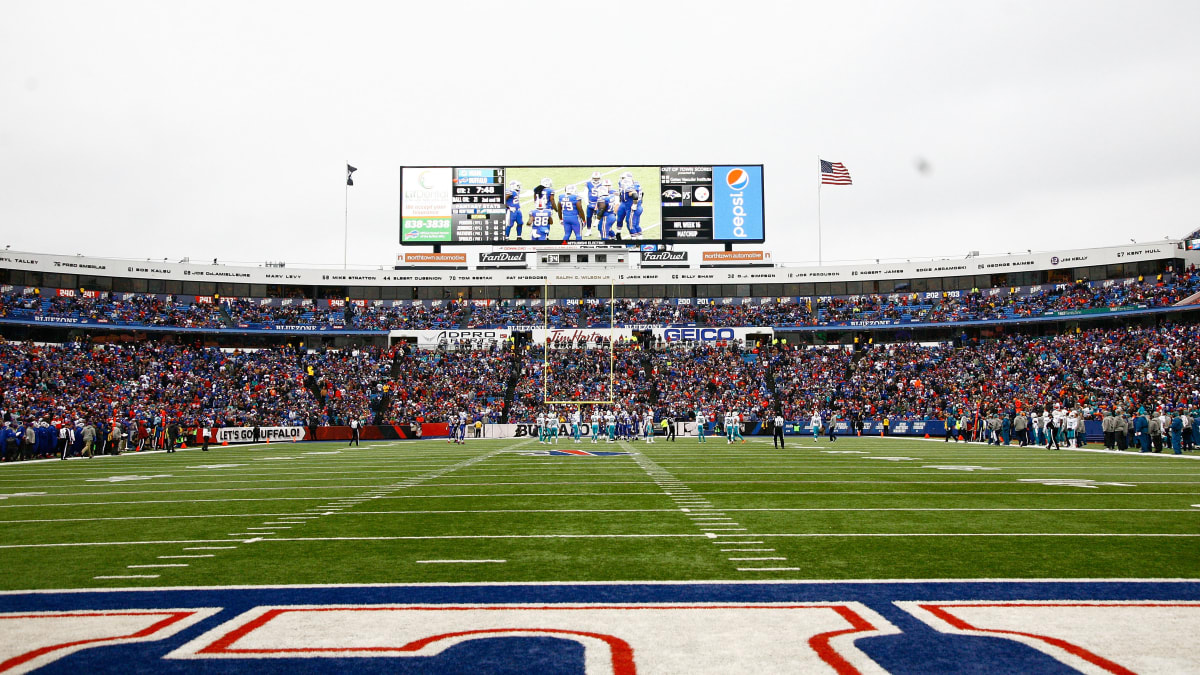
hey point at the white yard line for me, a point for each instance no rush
(574, 495)
(726, 542)
(127, 576)
(426, 562)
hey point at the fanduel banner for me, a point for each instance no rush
(664, 256)
(246, 434)
(503, 259)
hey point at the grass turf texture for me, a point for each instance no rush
(649, 177)
(671, 511)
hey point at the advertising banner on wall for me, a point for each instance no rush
(432, 339)
(248, 435)
(708, 334)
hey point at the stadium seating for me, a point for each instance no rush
(146, 385)
(943, 307)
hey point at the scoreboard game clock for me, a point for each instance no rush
(477, 211)
(675, 204)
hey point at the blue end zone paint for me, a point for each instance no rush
(919, 649)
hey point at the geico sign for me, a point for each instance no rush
(697, 334)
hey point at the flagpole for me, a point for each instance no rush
(820, 257)
(346, 223)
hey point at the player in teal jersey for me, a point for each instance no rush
(737, 427)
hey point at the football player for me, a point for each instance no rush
(608, 215)
(630, 211)
(596, 418)
(569, 213)
(593, 188)
(545, 190)
(512, 200)
(540, 219)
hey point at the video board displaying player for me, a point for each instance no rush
(619, 204)
(585, 187)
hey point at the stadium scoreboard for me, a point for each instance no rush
(680, 204)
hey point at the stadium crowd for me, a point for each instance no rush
(951, 306)
(60, 390)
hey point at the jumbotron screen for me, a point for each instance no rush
(618, 204)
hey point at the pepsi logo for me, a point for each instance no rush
(737, 179)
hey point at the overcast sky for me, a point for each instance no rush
(221, 129)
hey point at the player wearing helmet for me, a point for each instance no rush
(608, 229)
(593, 188)
(569, 213)
(540, 219)
(630, 211)
(545, 190)
(512, 200)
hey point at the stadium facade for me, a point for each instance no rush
(534, 281)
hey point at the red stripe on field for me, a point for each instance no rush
(172, 617)
(1074, 650)
(622, 652)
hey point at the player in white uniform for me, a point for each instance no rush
(737, 427)
(462, 426)
(596, 417)
(648, 425)
(610, 422)
(815, 423)
(701, 421)
(1060, 424)
(541, 427)
(575, 426)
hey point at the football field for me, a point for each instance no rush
(519, 511)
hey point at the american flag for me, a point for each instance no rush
(834, 173)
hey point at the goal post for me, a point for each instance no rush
(553, 357)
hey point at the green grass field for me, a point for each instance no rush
(392, 512)
(562, 176)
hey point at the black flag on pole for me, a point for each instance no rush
(350, 174)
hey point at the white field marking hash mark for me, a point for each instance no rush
(127, 576)
(421, 562)
(122, 479)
